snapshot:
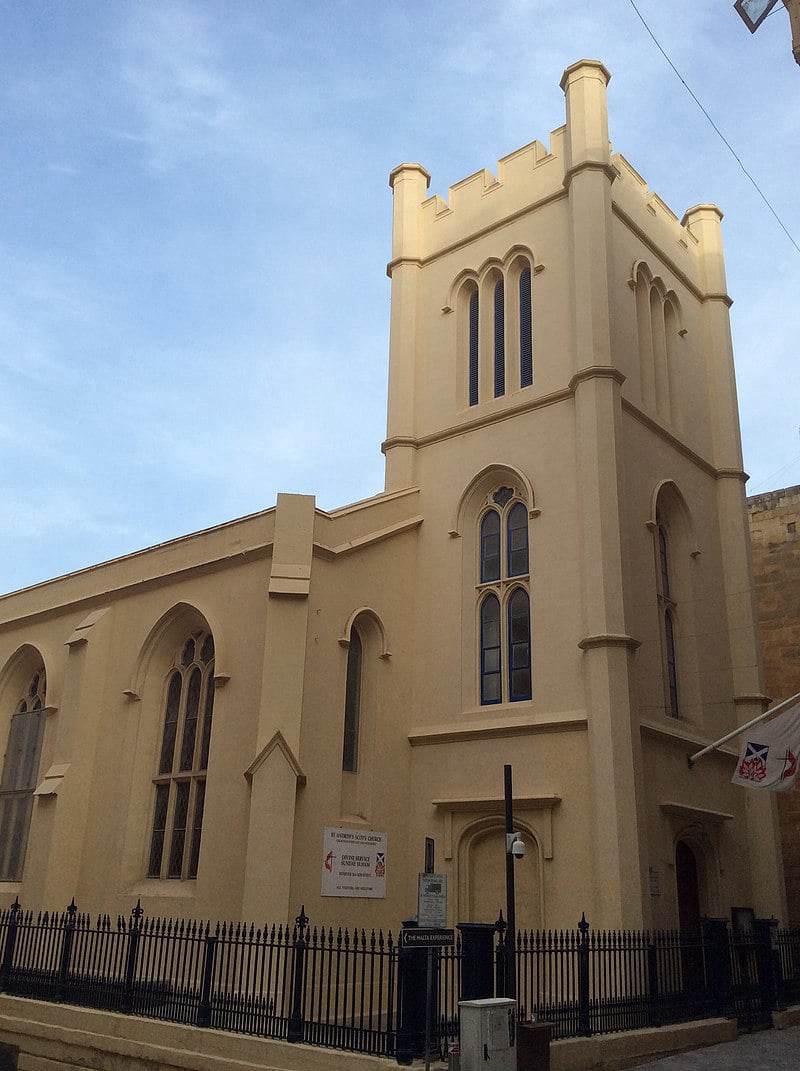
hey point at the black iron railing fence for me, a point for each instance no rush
(587, 981)
(354, 989)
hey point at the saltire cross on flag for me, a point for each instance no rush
(770, 751)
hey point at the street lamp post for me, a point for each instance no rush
(511, 911)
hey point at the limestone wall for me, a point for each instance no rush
(774, 519)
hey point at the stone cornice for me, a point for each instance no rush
(472, 424)
(494, 725)
(696, 814)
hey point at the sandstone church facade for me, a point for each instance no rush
(556, 576)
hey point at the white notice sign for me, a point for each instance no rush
(432, 900)
(353, 863)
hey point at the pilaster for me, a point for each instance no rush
(62, 801)
(273, 783)
(704, 223)
(596, 385)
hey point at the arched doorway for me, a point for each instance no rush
(483, 876)
(687, 877)
(688, 882)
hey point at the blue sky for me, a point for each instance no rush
(196, 217)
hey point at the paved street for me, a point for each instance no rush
(765, 1050)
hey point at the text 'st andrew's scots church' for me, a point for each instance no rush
(556, 576)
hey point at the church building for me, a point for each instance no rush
(278, 711)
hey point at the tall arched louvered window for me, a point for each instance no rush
(663, 561)
(473, 348)
(499, 339)
(672, 664)
(180, 782)
(352, 704)
(525, 328)
(503, 609)
(667, 607)
(20, 771)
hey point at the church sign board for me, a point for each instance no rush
(353, 863)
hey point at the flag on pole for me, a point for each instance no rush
(770, 753)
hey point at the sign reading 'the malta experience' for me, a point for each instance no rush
(353, 863)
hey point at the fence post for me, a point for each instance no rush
(654, 1011)
(500, 958)
(66, 951)
(126, 1004)
(718, 952)
(295, 1032)
(11, 940)
(769, 964)
(477, 941)
(204, 1007)
(584, 1021)
(411, 972)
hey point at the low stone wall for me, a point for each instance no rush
(610, 1052)
(60, 1037)
(36, 1036)
(782, 1020)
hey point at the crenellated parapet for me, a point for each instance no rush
(690, 249)
(524, 178)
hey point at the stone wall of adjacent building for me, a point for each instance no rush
(775, 535)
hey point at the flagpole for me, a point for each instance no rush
(692, 759)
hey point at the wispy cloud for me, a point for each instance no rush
(183, 104)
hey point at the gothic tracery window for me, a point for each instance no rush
(20, 771)
(504, 616)
(180, 781)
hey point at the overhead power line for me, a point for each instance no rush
(716, 128)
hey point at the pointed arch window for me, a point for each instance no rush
(490, 546)
(180, 781)
(20, 772)
(499, 339)
(667, 607)
(517, 540)
(352, 704)
(663, 561)
(504, 606)
(525, 328)
(519, 645)
(491, 671)
(671, 664)
(473, 348)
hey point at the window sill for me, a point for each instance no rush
(508, 719)
(167, 888)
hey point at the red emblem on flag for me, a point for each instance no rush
(753, 766)
(791, 765)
